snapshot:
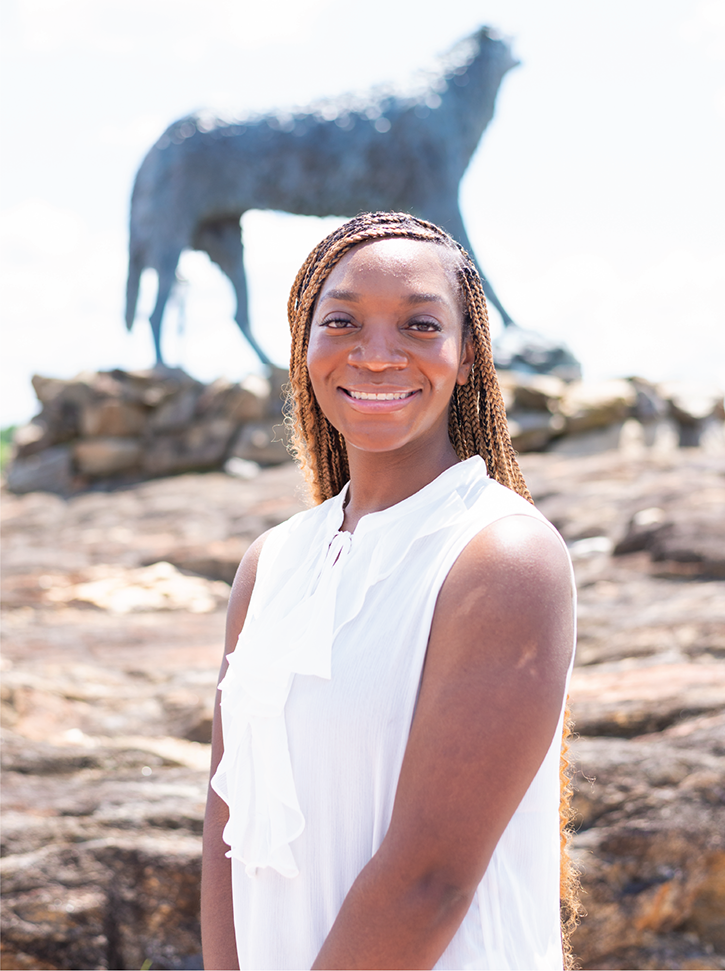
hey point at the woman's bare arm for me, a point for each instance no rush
(217, 923)
(491, 695)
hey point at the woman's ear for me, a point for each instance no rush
(468, 354)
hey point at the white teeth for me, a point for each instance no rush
(387, 396)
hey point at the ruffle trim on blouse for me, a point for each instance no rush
(291, 624)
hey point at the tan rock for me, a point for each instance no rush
(217, 559)
(48, 389)
(157, 587)
(589, 406)
(31, 438)
(581, 444)
(100, 457)
(112, 418)
(629, 699)
(239, 403)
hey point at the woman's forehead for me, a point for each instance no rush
(400, 258)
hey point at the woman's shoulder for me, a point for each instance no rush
(487, 501)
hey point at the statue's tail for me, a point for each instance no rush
(135, 268)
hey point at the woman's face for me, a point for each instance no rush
(386, 345)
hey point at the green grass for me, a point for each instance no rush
(6, 443)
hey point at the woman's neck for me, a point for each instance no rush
(379, 480)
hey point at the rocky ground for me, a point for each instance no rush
(113, 617)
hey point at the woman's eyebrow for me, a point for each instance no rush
(426, 298)
(348, 295)
(351, 296)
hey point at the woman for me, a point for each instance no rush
(386, 760)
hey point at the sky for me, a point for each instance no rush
(595, 202)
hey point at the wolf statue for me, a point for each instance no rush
(386, 150)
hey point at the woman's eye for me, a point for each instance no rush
(337, 323)
(425, 326)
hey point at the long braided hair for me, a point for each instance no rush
(476, 423)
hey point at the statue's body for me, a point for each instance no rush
(405, 153)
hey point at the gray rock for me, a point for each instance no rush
(517, 349)
(531, 431)
(176, 412)
(203, 445)
(262, 442)
(47, 471)
(650, 405)
(583, 443)
(685, 539)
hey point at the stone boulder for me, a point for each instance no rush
(121, 426)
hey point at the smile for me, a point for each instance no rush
(381, 396)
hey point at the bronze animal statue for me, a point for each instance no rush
(404, 152)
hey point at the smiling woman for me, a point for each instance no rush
(387, 349)
(386, 765)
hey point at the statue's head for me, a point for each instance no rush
(476, 413)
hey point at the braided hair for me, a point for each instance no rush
(476, 422)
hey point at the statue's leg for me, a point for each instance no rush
(453, 224)
(167, 277)
(222, 240)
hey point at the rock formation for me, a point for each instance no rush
(118, 427)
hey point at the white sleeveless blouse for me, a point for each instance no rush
(317, 705)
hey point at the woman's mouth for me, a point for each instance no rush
(378, 402)
(378, 395)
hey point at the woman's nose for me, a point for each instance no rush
(377, 350)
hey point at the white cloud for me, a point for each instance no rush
(255, 24)
(137, 134)
(657, 319)
(190, 29)
(705, 26)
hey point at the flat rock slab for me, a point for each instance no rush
(107, 713)
(632, 700)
